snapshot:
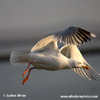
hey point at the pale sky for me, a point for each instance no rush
(48, 15)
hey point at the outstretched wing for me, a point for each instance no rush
(72, 35)
(42, 44)
(71, 51)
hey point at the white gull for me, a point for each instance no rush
(58, 51)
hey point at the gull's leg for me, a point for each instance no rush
(25, 79)
(26, 70)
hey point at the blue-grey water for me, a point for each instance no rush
(47, 85)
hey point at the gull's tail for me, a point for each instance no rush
(19, 58)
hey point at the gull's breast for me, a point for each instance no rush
(51, 62)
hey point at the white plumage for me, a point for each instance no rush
(47, 54)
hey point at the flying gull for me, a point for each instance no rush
(58, 51)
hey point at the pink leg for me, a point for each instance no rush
(26, 70)
(25, 79)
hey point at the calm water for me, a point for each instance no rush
(47, 85)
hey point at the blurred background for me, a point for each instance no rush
(23, 23)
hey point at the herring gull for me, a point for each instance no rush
(58, 51)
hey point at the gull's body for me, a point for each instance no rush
(47, 54)
(52, 62)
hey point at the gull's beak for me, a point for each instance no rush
(86, 67)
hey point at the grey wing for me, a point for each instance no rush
(72, 35)
(42, 44)
(71, 51)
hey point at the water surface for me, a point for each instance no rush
(47, 85)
